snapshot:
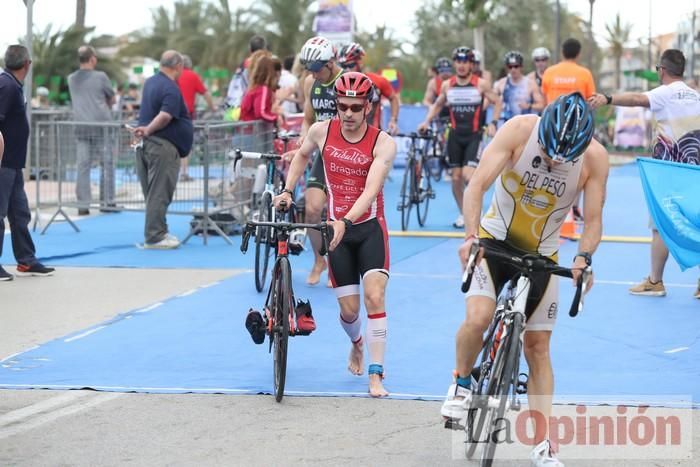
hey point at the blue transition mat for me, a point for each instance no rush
(621, 346)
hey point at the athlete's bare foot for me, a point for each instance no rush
(315, 274)
(376, 386)
(355, 361)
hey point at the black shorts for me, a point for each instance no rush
(317, 177)
(364, 249)
(501, 273)
(463, 149)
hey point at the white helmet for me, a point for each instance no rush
(316, 53)
(541, 53)
(477, 56)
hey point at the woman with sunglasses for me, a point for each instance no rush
(318, 56)
(357, 158)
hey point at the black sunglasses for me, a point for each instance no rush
(659, 67)
(353, 107)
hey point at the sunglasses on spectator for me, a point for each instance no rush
(659, 67)
(541, 59)
(353, 107)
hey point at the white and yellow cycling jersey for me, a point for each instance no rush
(531, 201)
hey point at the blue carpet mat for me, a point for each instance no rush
(621, 345)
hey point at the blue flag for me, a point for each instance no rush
(672, 191)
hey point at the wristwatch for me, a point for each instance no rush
(347, 222)
(608, 99)
(586, 256)
(287, 190)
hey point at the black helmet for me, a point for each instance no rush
(566, 127)
(513, 58)
(443, 65)
(463, 54)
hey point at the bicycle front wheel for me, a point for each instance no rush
(499, 389)
(425, 192)
(405, 200)
(282, 304)
(263, 241)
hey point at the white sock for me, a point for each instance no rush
(353, 329)
(376, 337)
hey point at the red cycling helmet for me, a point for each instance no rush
(353, 84)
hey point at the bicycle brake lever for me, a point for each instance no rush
(469, 270)
(581, 286)
(325, 231)
(246, 237)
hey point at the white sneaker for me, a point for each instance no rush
(169, 242)
(459, 222)
(542, 456)
(456, 402)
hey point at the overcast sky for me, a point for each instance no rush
(121, 16)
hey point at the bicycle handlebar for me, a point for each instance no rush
(528, 264)
(238, 155)
(323, 227)
(427, 134)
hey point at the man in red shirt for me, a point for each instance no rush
(190, 85)
(357, 158)
(350, 59)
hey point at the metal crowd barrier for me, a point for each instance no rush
(83, 166)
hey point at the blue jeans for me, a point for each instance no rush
(14, 206)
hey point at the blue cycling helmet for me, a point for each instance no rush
(566, 127)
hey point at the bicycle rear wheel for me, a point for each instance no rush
(405, 199)
(280, 328)
(263, 242)
(499, 386)
(424, 190)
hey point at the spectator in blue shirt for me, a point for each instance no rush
(13, 200)
(166, 130)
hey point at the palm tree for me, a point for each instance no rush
(80, 7)
(618, 35)
(288, 24)
(381, 48)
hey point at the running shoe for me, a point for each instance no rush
(36, 269)
(456, 402)
(169, 242)
(649, 288)
(543, 456)
(459, 222)
(5, 276)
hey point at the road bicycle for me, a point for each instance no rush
(264, 235)
(279, 319)
(437, 160)
(416, 187)
(496, 380)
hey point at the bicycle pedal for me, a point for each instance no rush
(451, 424)
(521, 387)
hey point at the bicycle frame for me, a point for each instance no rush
(497, 375)
(279, 317)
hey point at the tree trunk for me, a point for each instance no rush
(618, 72)
(80, 6)
(479, 43)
